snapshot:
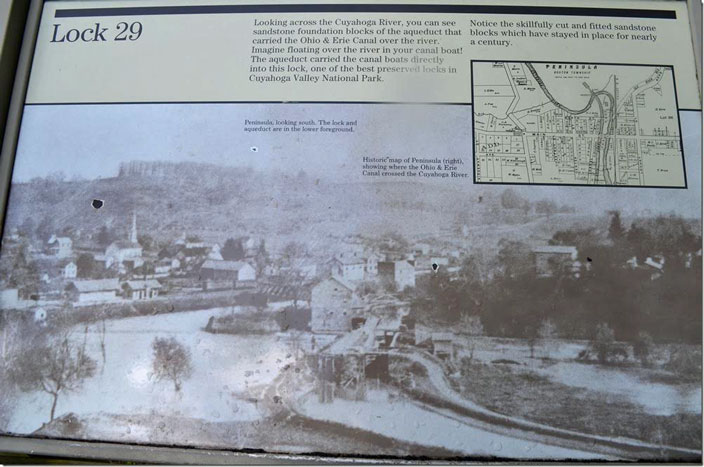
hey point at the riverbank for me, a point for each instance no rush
(525, 393)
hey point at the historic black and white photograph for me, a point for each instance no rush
(319, 278)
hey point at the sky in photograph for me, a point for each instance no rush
(91, 141)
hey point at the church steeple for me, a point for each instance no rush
(133, 233)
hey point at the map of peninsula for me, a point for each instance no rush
(576, 124)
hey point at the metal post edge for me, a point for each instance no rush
(14, 113)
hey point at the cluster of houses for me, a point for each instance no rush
(399, 272)
(357, 263)
(351, 328)
(333, 289)
(550, 260)
(87, 274)
(125, 271)
(336, 305)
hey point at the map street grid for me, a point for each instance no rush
(576, 124)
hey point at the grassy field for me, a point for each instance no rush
(512, 390)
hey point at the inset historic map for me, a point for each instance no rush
(576, 124)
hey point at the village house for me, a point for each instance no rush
(551, 259)
(69, 270)
(217, 270)
(402, 273)
(251, 245)
(271, 270)
(166, 266)
(653, 265)
(180, 242)
(214, 253)
(93, 290)
(421, 249)
(334, 305)
(60, 247)
(371, 269)
(175, 264)
(52, 268)
(350, 267)
(141, 289)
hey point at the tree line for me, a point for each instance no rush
(614, 287)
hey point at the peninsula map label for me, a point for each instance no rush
(576, 124)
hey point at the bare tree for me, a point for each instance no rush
(101, 335)
(172, 361)
(604, 346)
(292, 275)
(473, 327)
(13, 337)
(10, 338)
(547, 333)
(643, 348)
(530, 333)
(54, 369)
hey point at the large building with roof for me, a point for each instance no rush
(334, 305)
(143, 289)
(217, 270)
(94, 290)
